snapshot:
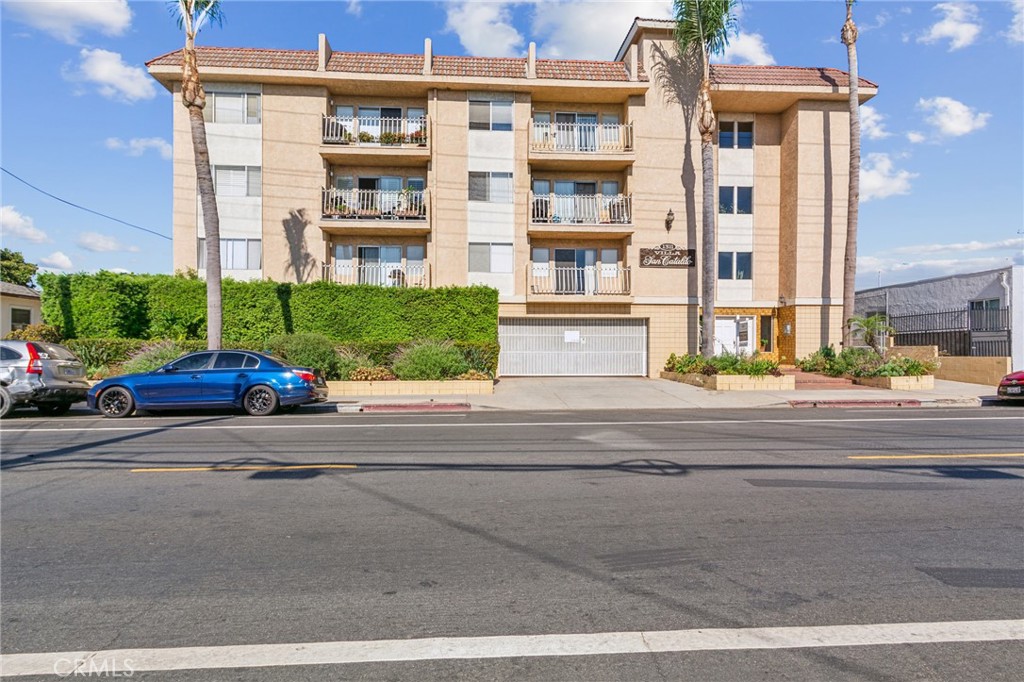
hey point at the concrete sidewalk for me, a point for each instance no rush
(610, 393)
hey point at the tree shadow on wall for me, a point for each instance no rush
(301, 263)
(679, 77)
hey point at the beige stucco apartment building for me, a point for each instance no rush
(572, 187)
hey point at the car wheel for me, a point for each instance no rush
(6, 404)
(116, 402)
(53, 409)
(259, 401)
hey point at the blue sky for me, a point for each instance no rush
(943, 145)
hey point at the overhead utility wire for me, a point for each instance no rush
(83, 208)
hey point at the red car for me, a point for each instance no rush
(1011, 387)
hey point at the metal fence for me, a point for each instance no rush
(960, 331)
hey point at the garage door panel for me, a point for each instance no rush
(572, 347)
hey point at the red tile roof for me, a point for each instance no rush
(244, 58)
(572, 69)
(368, 62)
(744, 74)
(487, 67)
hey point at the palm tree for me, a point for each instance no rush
(192, 15)
(702, 30)
(873, 329)
(849, 37)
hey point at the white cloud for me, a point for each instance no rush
(959, 25)
(18, 226)
(355, 8)
(57, 260)
(881, 19)
(484, 28)
(577, 29)
(1013, 243)
(871, 123)
(101, 243)
(748, 48)
(137, 146)
(880, 179)
(921, 261)
(952, 118)
(1015, 32)
(112, 77)
(67, 20)
(120, 271)
(915, 137)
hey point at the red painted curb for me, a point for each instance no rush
(416, 407)
(855, 403)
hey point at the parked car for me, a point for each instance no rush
(258, 383)
(42, 375)
(1011, 387)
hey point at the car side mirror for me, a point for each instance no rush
(167, 368)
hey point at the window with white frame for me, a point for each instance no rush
(736, 134)
(235, 254)
(735, 265)
(233, 107)
(736, 200)
(490, 115)
(490, 257)
(20, 318)
(238, 181)
(493, 187)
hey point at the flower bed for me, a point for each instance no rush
(339, 389)
(867, 368)
(728, 373)
(734, 382)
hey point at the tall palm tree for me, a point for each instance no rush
(849, 37)
(702, 30)
(192, 15)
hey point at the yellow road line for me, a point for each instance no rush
(976, 456)
(283, 467)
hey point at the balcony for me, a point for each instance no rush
(585, 214)
(375, 141)
(378, 274)
(576, 146)
(374, 211)
(604, 283)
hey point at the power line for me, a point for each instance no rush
(83, 208)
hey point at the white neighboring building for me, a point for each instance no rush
(981, 294)
(19, 307)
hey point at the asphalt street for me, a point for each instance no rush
(219, 530)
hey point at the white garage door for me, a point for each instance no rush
(568, 347)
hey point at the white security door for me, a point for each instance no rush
(572, 347)
(725, 335)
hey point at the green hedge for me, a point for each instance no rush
(111, 305)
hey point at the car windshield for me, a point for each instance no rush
(51, 351)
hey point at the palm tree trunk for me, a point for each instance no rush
(849, 36)
(194, 98)
(706, 126)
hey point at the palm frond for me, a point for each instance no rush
(706, 24)
(200, 12)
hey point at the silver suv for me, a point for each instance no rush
(39, 374)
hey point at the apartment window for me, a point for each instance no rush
(235, 254)
(767, 335)
(487, 257)
(238, 181)
(735, 265)
(493, 187)
(488, 115)
(20, 318)
(986, 304)
(736, 135)
(232, 107)
(736, 200)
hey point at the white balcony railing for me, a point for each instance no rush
(363, 130)
(600, 209)
(594, 138)
(405, 204)
(378, 274)
(594, 280)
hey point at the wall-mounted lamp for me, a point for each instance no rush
(669, 219)
(787, 329)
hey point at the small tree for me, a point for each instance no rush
(872, 328)
(14, 269)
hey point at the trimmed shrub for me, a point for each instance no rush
(480, 355)
(315, 351)
(723, 364)
(429, 361)
(102, 304)
(153, 356)
(863, 362)
(372, 374)
(36, 332)
(349, 361)
(177, 308)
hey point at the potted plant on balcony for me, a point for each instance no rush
(366, 137)
(390, 138)
(419, 137)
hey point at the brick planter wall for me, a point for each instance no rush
(924, 383)
(734, 382)
(375, 388)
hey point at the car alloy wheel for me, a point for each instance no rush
(6, 404)
(260, 401)
(116, 402)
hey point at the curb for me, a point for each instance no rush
(416, 407)
(891, 402)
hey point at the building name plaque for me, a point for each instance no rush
(667, 256)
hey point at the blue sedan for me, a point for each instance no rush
(258, 383)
